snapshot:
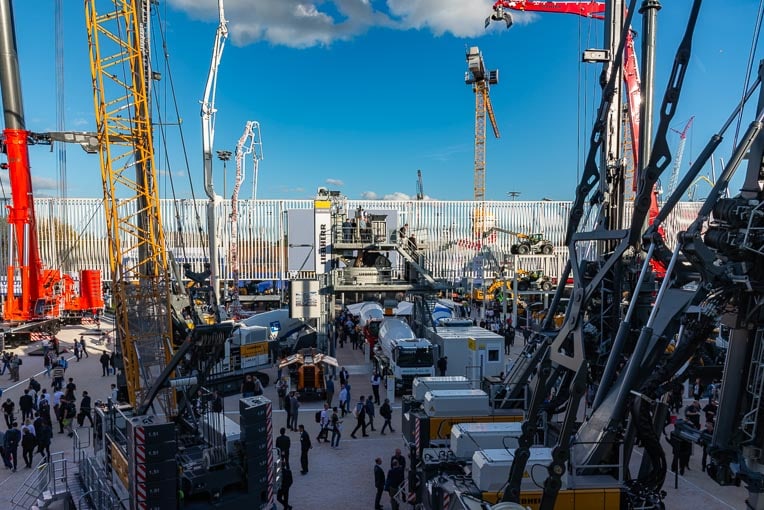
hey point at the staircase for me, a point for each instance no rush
(409, 252)
(48, 482)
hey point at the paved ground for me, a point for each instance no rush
(340, 478)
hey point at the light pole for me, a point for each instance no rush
(224, 156)
(513, 194)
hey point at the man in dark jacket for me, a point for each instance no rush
(386, 412)
(305, 445)
(282, 496)
(11, 445)
(283, 443)
(104, 359)
(393, 484)
(85, 408)
(26, 404)
(379, 483)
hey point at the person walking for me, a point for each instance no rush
(11, 446)
(336, 425)
(360, 415)
(44, 436)
(85, 408)
(281, 391)
(324, 420)
(393, 483)
(77, 350)
(15, 364)
(282, 495)
(104, 359)
(344, 400)
(330, 390)
(294, 406)
(386, 412)
(28, 443)
(288, 409)
(526, 335)
(58, 376)
(283, 443)
(26, 405)
(379, 483)
(47, 363)
(305, 446)
(376, 379)
(83, 349)
(113, 363)
(9, 409)
(370, 412)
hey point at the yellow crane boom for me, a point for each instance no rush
(120, 70)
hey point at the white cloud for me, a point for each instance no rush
(398, 195)
(306, 23)
(369, 195)
(41, 183)
(335, 182)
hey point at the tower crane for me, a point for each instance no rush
(481, 79)
(419, 186)
(249, 143)
(678, 159)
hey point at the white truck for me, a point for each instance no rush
(400, 353)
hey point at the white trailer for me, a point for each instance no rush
(472, 351)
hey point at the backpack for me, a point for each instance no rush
(34, 384)
(318, 416)
(21, 362)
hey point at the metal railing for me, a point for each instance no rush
(47, 481)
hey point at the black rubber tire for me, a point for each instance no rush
(547, 249)
(523, 249)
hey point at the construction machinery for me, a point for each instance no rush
(677, 166)
(527, 244)
(308, 370)
(617, 347)
(399, 353)
(481, 80)
(44, 296)
(166, 444)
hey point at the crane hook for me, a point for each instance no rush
(499, 15)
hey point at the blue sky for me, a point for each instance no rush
(357, 95)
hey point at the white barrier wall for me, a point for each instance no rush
(72, 233)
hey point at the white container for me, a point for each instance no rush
(467, 438)
(456, 403)
(490, 469)
(424, 384)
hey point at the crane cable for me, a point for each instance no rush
(184, 149)
(751, 53)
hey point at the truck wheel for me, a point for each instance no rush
(523, 249)
(547, 249)
(546, 286)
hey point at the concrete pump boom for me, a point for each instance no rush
(208, 136)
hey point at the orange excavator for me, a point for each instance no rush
(595, 10)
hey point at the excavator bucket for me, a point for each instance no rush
(499, 15)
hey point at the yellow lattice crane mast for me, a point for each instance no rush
(481, 81)
(120, 70)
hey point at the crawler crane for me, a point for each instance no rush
(167, 442)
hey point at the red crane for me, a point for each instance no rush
(591, 9)
(594, 9)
